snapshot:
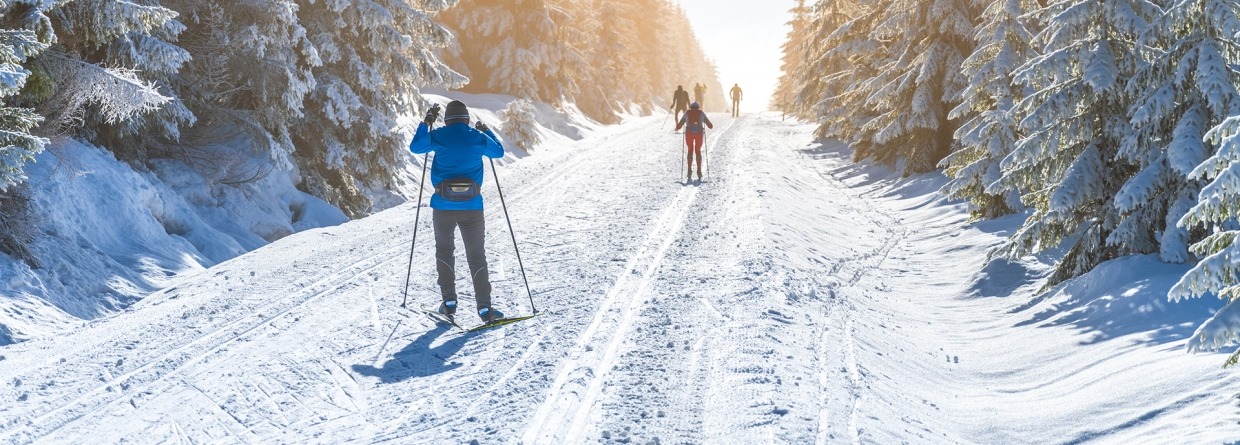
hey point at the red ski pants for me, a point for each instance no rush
(694, 142)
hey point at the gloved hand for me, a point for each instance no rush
(480, 126)
(431, 115)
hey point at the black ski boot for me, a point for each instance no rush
(447, 309)
(490, 314)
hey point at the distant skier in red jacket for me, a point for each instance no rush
(692, 121)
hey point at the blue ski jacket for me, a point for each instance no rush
(458, 149)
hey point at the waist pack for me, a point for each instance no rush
(458, 189)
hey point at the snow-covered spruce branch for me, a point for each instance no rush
(118, 92)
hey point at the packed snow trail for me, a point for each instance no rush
(787, 298)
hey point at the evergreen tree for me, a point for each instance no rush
(1075, 122)
(609, 50)
(921, 83)
(519, 126)
(693, 66)
(375, 55)
(250, 75)
(1186, 89)
(19, 42)
(579, 25)
(794, 50)
(511, 46)
(1196, 87)
(106, 70)
(843, 54)
(987, 105)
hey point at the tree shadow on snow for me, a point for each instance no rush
(828, 150)
(1122, 297)
(418, 359)
(869, 176)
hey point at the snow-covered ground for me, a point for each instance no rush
(790, 297)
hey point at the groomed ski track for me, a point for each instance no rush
(787, 298)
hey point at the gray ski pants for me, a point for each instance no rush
(473, 234)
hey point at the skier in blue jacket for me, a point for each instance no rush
(456, 176)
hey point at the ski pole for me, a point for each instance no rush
(417, 216)
(514, 236)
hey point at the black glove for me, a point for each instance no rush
(432, 114)
(481, 126)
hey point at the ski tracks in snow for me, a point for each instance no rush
(562, 416)
(131, 383)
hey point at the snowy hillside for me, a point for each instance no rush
(790, 297)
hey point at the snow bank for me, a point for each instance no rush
(109, 235)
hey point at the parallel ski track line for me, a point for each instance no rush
(559, 409)
(173, 361)
(870, 261)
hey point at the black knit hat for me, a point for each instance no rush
(456, 110)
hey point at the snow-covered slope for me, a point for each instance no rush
(109, 235)
(787, 298)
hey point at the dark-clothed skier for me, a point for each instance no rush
(456, 175)
(680, 101)
(737, 95)
(693, 121)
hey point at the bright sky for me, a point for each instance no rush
(743, 38)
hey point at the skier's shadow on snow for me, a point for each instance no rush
(418, 359)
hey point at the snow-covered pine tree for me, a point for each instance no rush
(250, 75)
(519, 125)
(576, 24)
(844, 56)
(652, 60)
(1188, 87)
(375, 55)
(511, 47)
(987, 106)
(605, 31)
(19, 42)
(795, 49)
(108, 65)
(921, 84)
(1202, 38)
(1075, 122)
